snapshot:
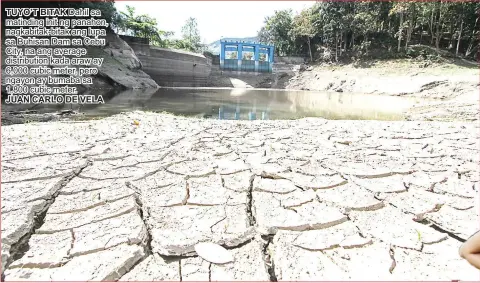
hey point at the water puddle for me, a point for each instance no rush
(242, 104)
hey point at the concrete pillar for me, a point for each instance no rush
(257, 56)
(270, 58)
(222, 54)
(239, 56)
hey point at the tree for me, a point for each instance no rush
(438, 9)
(265, 36)
(410, 23)
(277, 30)
(391, 25)
(335, 19)
(191, 34)
(459, 38)
(181, 44)
(400, 8)
(141, 26)
(364, 20)
(424, 12)
(472, 16)
(303, 27)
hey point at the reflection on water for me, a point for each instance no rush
(243, 104)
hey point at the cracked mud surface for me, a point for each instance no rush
(309, 199)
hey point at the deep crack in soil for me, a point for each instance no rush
(269, 263)
(19, 249)
(250, 212)
(394, 262)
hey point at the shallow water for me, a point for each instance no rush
(243, 104)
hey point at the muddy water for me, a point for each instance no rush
(243, 104)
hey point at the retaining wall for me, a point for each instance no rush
(172, 68)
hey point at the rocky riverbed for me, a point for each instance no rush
(128, 197)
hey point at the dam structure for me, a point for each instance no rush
(168, 67)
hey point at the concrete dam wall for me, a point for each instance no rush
(171, 68)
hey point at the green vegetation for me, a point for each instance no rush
(129, 23)
(140, 26)
(303, 27)
(332, 29)
(191, 35)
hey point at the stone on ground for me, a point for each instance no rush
(213, 253)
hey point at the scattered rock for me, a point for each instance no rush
(213, 253)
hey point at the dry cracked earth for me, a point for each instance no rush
(309, 199)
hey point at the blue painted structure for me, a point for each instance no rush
(241, 63)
